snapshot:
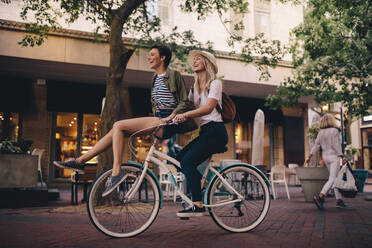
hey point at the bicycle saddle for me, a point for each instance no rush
(222, 150)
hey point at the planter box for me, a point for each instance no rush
(18, 171)
(362, 176)
(312, 180)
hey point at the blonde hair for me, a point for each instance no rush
(211, 75)
(327, 121)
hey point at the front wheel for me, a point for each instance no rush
(117, 217)
(244, 215)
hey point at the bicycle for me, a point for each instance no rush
(237, 196)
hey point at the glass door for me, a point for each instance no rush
(89, 135)
(75, 134)
(66, 141)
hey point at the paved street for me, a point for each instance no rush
(290, 223)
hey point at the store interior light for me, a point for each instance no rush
(325, 108)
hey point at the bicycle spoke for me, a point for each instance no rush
(118, 217)
(244, 215)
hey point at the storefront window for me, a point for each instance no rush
(9, 126)
(243, 139)
(66, 141)
(89, 134)
(367, 147)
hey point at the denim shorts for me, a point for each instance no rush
(169, 130)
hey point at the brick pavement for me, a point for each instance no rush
(290, 223)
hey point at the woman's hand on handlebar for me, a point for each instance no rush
(179, 118)
(167, 120)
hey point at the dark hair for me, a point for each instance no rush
(164, 51)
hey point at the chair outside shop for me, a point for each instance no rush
(39, 152)
(277, 175)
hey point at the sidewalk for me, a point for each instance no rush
(290, 223)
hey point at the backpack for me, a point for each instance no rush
(228, 110)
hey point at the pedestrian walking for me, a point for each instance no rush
(329, 141)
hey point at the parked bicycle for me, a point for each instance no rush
(236, 195)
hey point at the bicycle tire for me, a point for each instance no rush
(116, 218)
(251, 211)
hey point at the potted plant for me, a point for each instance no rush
(18, 169)
(350, 153)
(313, 177)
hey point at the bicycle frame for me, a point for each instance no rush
(158, 158)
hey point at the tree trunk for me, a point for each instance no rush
(117, 105)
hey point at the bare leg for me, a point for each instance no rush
(116, 138)
(99, 147)
(128, 126)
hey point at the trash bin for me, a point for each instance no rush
(361, 175)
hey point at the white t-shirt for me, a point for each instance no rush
(215, 92)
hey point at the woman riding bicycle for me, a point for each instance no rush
(168, 98)
(206, 93)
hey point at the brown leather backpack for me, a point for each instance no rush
(228, 110)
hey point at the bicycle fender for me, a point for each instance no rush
(221, 168)
(140, 166)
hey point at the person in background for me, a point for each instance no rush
(329, 140)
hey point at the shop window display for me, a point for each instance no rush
(9, 126)
(367, 148)
(75, 134)
(66, 140)
(243, 143)
(89, 134)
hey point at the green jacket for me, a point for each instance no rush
(176, 85)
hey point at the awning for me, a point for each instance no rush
(14, 94)
(75, 97)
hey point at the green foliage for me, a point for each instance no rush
(313, 130)
(332, 55)
(20, 147)
(351, 151)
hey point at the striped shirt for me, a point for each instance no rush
(162, 95)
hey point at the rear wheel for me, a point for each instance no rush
(246, 214)
(117, 217)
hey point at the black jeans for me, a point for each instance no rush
(212, 139)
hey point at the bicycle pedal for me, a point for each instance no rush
(184, 218)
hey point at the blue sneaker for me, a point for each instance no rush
(70, 164)
(113, 182)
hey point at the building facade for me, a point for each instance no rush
(52, 94)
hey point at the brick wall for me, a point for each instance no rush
(37, 124)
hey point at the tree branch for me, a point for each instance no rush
(101, 6)
(128, 7)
